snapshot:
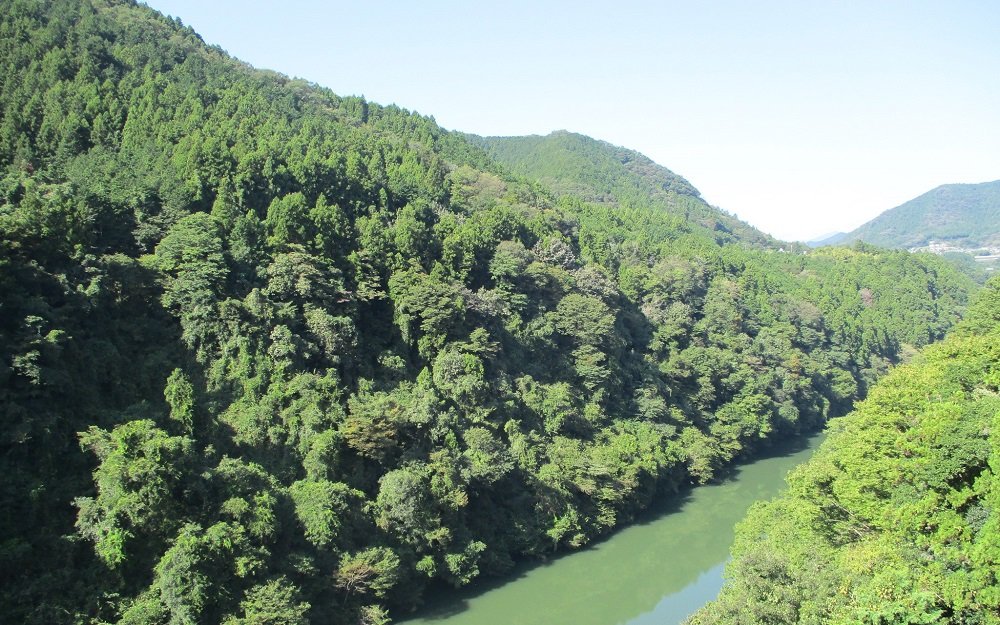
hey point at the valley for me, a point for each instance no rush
(270, 354)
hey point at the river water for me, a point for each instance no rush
(656, 571)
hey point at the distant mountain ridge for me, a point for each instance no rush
(827, 239)
(963, 216)
(597, 171)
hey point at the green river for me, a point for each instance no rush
(657, 571)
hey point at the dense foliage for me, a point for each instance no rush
(897, 517)
(271, 355)
(597, 171)
(966, 216)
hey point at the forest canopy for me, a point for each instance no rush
(273, 355)
(897, 518)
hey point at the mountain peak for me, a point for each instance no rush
(593, 170)
(965, 216)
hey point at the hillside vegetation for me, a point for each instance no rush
(272, 355)
(965, 216)
(597, 171)
(897, 517)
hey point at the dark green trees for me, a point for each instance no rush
(272, 355)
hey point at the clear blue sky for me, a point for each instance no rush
(800, 117)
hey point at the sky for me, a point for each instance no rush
(800, 117)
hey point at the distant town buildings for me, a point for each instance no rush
(981, 254)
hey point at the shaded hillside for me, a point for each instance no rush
(597, 171)
(273, 355)
(897, 517)
(965, 216)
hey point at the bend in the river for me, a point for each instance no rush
(658, 570)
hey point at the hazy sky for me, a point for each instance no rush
(800, 117)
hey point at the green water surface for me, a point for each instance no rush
(657, 571)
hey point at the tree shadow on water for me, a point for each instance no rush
(662, 552)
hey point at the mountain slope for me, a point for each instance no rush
(597, 171)
(966, 216)
(828, 239)
(896, 519)
(268, 354)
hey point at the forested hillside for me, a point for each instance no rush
(965, 216)
(271, 355)
(897, 517)
(596, 171)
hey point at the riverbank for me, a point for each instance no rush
(659, 569)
